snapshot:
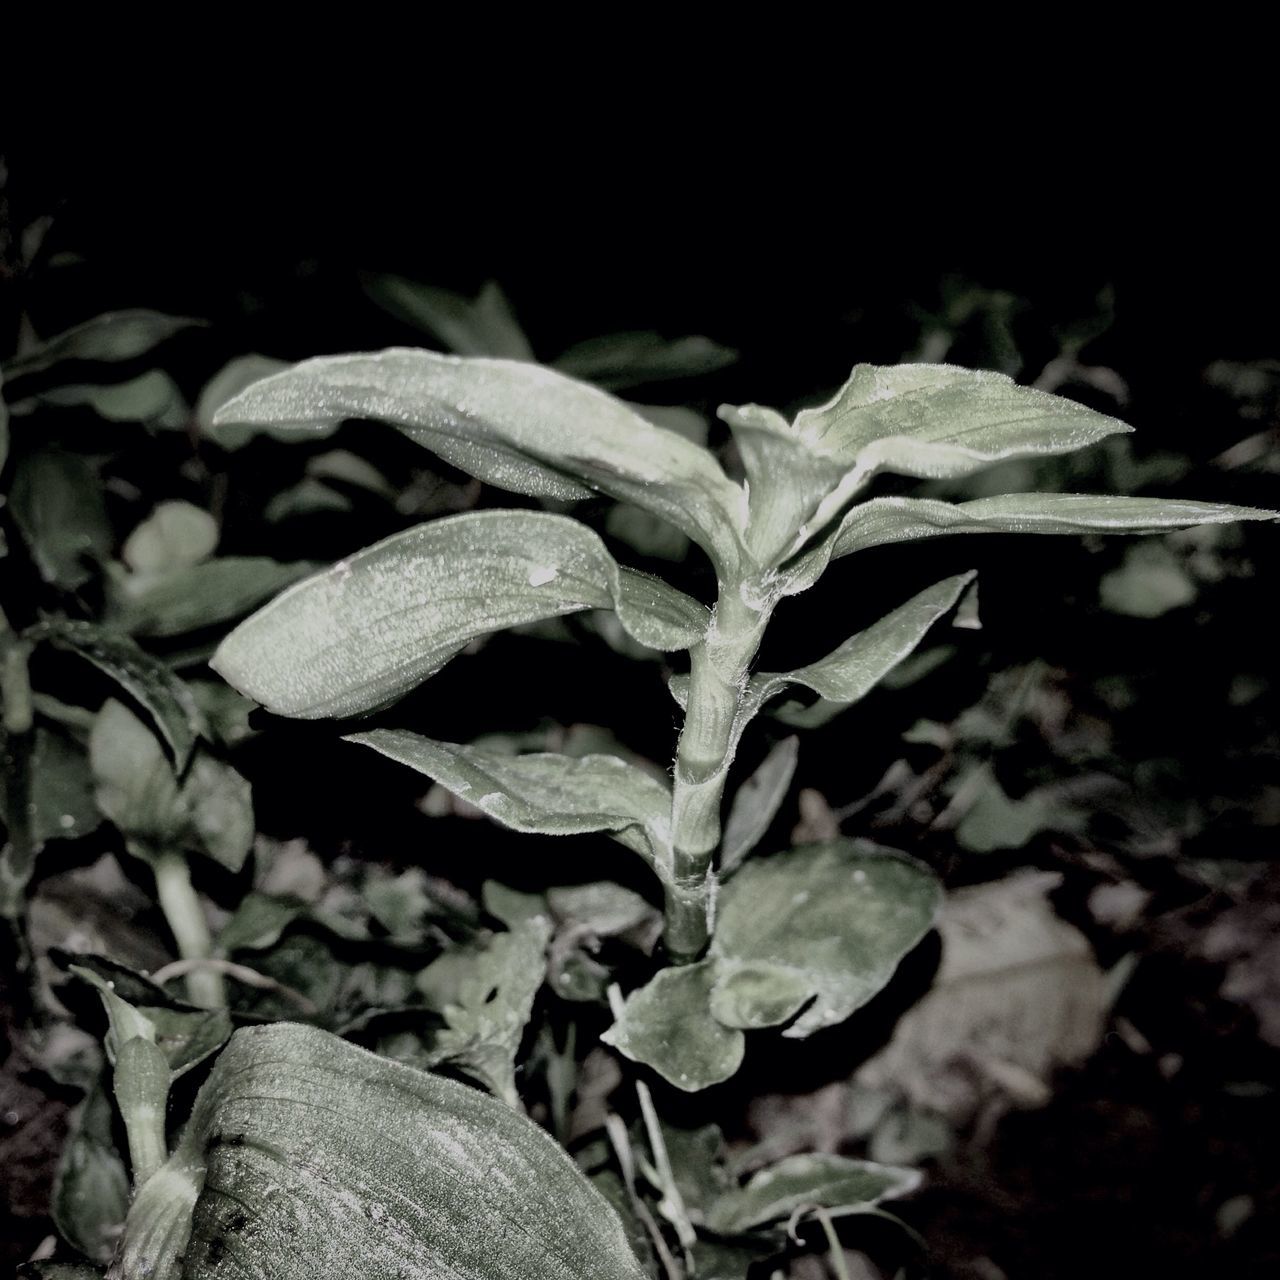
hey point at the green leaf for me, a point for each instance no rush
(485, 992)
(620, 360)
(117, 335)
(543, 792)
(56, 500)
(848, 673)
(518, 426)
(227, 383)
(175, 535)
(165, 698)
(756, 804)
(204, 595)
(151, 398)
(369, 629)
(62, 804)
(821, 928)
(1152, 581)
(91, 1187)
(307, 1156)
(886, 520)
(806, 1182)
(482, 326)
(667, 1025)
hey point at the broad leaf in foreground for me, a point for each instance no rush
(516, 425)
(306, 1156)
(369, 629)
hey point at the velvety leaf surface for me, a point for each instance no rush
(808, 1181)
(756, 803)
(543, 792)
(516, 425)
(667, 1025)
(827, 923)
(370, 628)
(309, 1157)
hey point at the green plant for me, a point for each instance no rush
(808, 936)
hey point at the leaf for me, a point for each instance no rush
(227, 383)
(888, 520)
(483, 326)
(371, 628)
(803, 1182)
(165, 698)
(485, 991)
(1151, 582)
(820, 928)
(543, 792)
(1018, 994)
(62, 804)
(117, 335)
(851, 671)
(995, 821)
(518, 426)
(620, 360)
(151, 398)
(56, 500)
(221, 807)
(307, 1156)
(667, 1025)
(91, 1187)
(174, 536)
(756, 803)
(204, 595)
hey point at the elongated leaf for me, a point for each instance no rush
(850, 672)
(620, 360)
(309, 1157)
(519, 426)
(482, 326)
(117, 335)
(371, 628)
(817, 930)
(91, 1187)
(885, 520)
(56, 500)
(756, 804)
(166, 699)
(228, 382)
(798, 1182)
(151, 398)
(667, 1025)
(544, 792)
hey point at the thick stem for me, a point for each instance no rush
(717, 682)
(142, 1080)
(190, 929)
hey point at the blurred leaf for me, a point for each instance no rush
(485, 992)
(481, 326)
(817, 930)
(152, 399)
(165, 698)
(621, 360)
(56, 500)
(444, 1179)
(756, 803)
(994, 821)
(174, 536)
(807, 1182)
(117, 335)
(91, 1187)
(667, 1025)
(227, 383)
(1151, 582)
(305, 498)
(221, 806)
(519, 426)
(349, 468)
(62, 804)
(371, 628)
(544, 793)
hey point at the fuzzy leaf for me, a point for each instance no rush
(756, 803)
(827, 923)
(667, 1025)
(543, 792)
(848, 673)
(117, 335)
(307, 1156)
(165, 698)
(371, 628)
(808, 1181)
(516, 425)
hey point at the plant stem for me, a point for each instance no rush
(190, 929)
(142, 1080)
(717, 682)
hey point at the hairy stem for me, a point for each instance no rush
(717, 682)
(185, 916)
